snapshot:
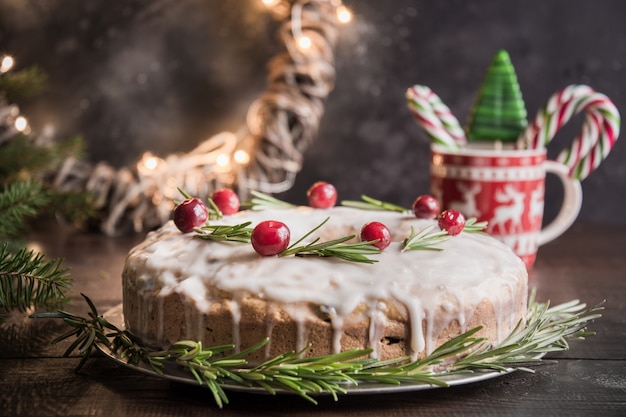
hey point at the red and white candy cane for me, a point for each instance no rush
(598, 134)
(435, 117)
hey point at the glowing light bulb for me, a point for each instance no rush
(35, 247)
(6, 64)
(304, 42)
(222, 160)
(21, 124)
(269, 3)
(151, 163)
(241, 157)
(344, 15)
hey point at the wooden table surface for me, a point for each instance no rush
(587, 263)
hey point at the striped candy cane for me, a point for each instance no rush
(598, 134)
(435, 117)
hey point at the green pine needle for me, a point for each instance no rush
(20, 200)
(23, 83)
(24, 192)
(29, 280)
(21, 157)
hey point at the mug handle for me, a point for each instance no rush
(572, 201)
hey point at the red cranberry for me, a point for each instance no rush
(426, 207)
(322, 195)
(192, 212)
(270, 237)
(376, 231)
(226, 200)
(451, 221)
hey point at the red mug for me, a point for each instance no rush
(504, 187)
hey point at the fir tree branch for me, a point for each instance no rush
(71, 206)
(23, 83)
(22, 158)
(28, 280)
(19, 200)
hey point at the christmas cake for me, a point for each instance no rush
(404, 302)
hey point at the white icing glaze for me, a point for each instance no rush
(470, 268)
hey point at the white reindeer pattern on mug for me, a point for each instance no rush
(512, 211)
(535, 211)
(468, 205)
(514, 206)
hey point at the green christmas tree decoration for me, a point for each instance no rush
(499, 112)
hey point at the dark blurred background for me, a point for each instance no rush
(163, 75)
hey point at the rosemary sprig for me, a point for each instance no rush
(214, 212)
(369, 203)
(183, 193)
(425, 239)
(218, 232)
(353, 252)
(262, 201)
(86, 331)
(474, 226)
(547, 329)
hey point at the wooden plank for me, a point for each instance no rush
(50, 387)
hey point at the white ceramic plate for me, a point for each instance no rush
(175, 373)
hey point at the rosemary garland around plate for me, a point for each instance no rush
(547, 329)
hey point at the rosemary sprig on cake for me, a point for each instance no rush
(271, 237)
(547, 329)
(424, 207)
(220, 233)
(472, 225)
(369, 203)
(214, 211)
(261, 201)
(428, 238)
(354, 252)
(425, 239)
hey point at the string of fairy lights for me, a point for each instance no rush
(265, 154)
